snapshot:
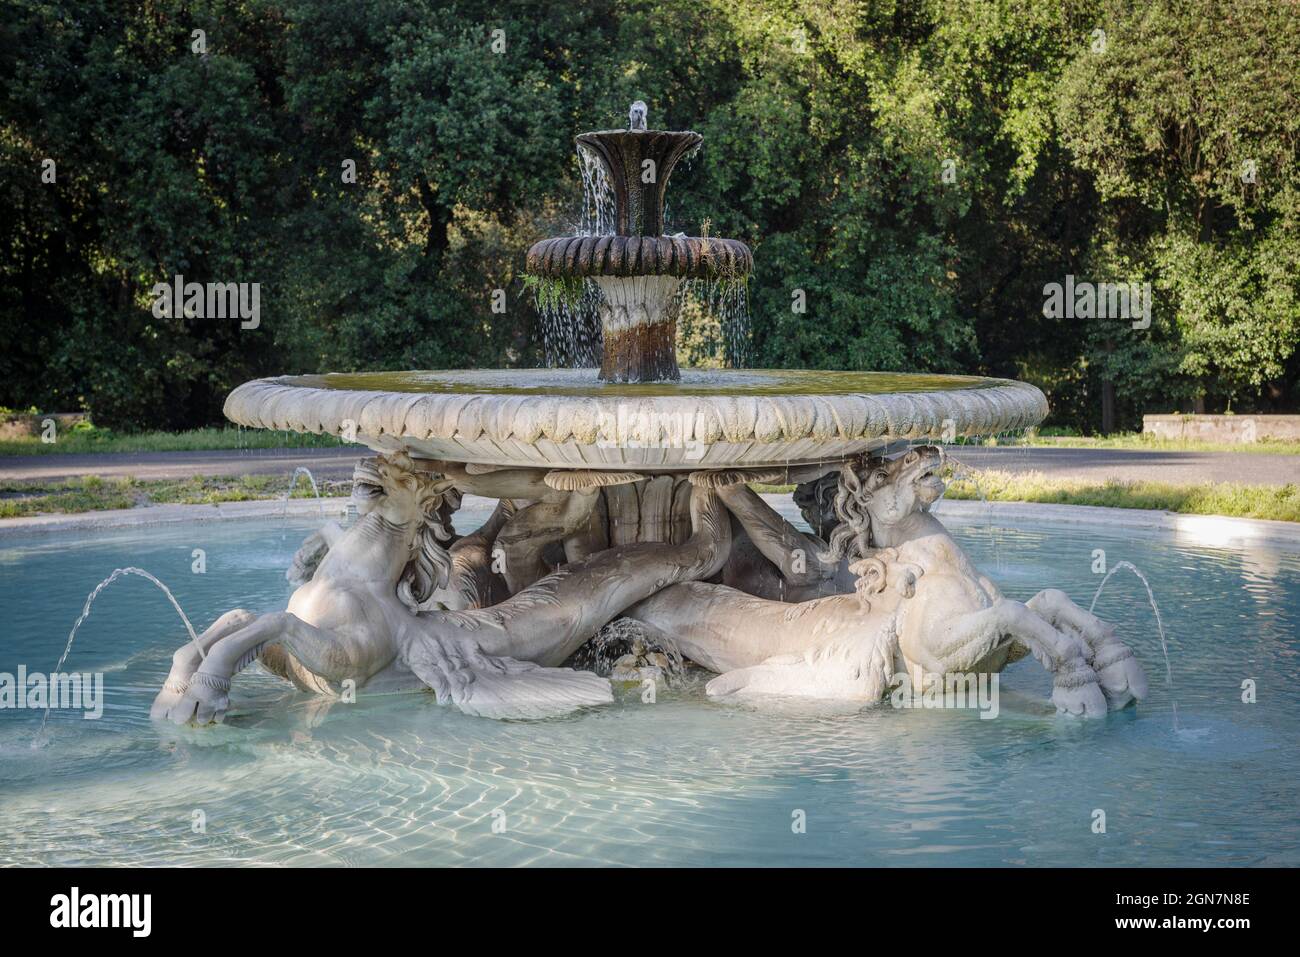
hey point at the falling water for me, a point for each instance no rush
(85, 613)
(961, 472)
(1160, 625)
(724, 298)
(727, 303)
(964, 473)
(620, 637)
(571, 334)
(683, 165)
(598, 209)
(574, 335)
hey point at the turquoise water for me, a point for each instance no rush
(399, 780)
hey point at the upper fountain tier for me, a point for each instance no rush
(637, 164)
(638, 269)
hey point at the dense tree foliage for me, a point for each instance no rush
(919, 169)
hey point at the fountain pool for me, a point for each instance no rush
(290, 779)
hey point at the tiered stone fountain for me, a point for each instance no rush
(624, 495)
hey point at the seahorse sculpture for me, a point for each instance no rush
(397, 602)
(920, 604)
(361, 620)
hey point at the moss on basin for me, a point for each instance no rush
(694, 382)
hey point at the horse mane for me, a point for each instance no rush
(430, 566)
(816, 501)
(851, 538)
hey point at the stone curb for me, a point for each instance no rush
(171, 514)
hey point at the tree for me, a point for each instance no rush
(1188, 124)
(912, 173)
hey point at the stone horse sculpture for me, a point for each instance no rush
(398, 603)
(359, 618)
(919, 603)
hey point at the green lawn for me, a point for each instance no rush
(1281, 503)
(92, 439)
(1139, 440)
(89, 438)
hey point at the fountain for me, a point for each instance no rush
(624, 493)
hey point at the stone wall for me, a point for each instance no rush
(1223, 428)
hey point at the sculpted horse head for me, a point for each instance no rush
(875, 492)
(400, 501)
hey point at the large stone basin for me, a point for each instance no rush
(711, 418)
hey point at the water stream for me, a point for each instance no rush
(963, 473)
(293, 483)
(1160, 626)
(85, 613)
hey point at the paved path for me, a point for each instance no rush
(336, 464)
(1179, 468)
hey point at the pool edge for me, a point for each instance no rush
(1213, 527)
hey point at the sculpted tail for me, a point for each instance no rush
(488, 686)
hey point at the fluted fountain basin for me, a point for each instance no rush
(711, 418)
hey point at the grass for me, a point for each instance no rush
(555, 293)
(1143, 441)
(1277, 502)
(89, 438)
(91, 493)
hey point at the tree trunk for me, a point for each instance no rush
(1107, 407)
(436, 239)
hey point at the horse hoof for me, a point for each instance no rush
(1078, 693)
